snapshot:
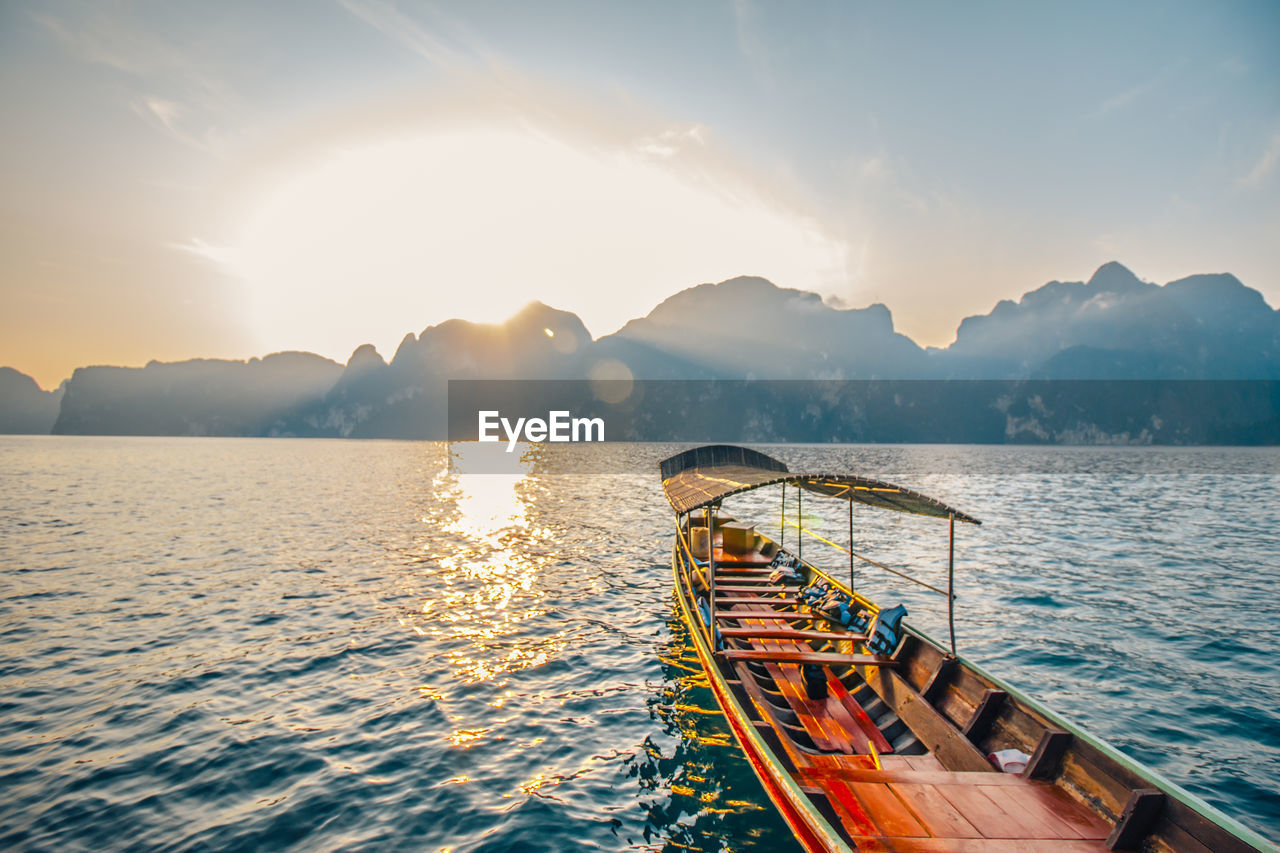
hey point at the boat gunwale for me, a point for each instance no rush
(1205, 810)
(799, 805)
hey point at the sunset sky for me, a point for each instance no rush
(235, 178)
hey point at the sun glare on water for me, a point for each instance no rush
(374, 241)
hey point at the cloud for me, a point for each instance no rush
(1124, 99)
(99, 44)
(404, 30)
(194, 100)
(1121, 100)
(669, 144)
(1265, 165)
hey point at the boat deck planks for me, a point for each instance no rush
(888, 811)
(974, 845)
(942, 819)
(817, 717)
(856, 712)
(909, 802)
(928, 761)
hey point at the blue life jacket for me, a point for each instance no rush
(886, 631)
(704, 610)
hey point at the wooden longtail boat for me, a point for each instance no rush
(868, 735)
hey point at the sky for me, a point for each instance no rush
(189, 179)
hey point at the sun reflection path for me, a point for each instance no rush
(489, 558)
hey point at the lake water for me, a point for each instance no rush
(247, 644)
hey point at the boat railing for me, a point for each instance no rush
(867, 559)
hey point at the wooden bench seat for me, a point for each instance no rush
(763, 588)
(754, 599)
(787, 656)
(766, 616)
(767, 633)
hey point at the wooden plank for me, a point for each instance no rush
(771, 588)
(829, 711)
(984, 813)
(888, 812)
(754, 599)
(1175, 837)
(935, 811)
(1140, 813)
(764, 633)
(773, 617)
(827, 720)
(929, 777)
(936, 732)
(938, 681)
(1048, 755)
(825, 735)
(1088, 823)
(1026, 810)
(826, 732)
(765, 709)
(1021, 802)
(860, 716)
(1079, 769)
(839, 763)
(973, 845)
(1179, 816)
(808, 657)
(924, 762)
(979, 725)
(912, 762)
(853, 815)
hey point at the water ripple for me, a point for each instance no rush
(239, 644)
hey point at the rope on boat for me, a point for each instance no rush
(840, 547)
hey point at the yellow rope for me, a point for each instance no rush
(838, 547)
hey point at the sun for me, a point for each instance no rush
(387, 237)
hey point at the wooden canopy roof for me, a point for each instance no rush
(705, 475)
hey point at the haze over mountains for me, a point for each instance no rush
(1113, 326)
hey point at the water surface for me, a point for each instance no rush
(243, 643)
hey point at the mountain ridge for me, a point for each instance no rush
(1113, 326)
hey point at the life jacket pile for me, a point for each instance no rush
(885, 628)
(837, 606)
(786, 568)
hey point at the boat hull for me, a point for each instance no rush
(1091, 772)
(813, 832)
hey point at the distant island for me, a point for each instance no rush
(1043, 369)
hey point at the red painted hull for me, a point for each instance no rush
(804, 823)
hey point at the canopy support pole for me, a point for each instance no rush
(951, 580)
(711, 571)
(782, 531)
(800, 518)
(851, 590)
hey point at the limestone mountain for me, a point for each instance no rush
(25, 408)
(748, 327)
(1115, 326)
